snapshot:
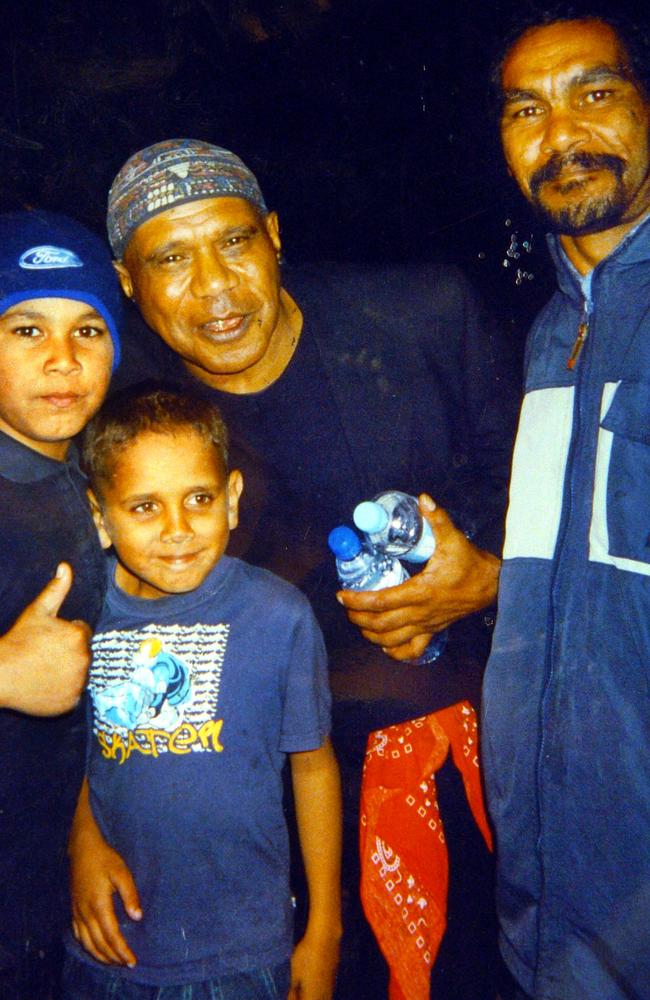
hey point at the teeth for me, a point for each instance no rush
(223, 324)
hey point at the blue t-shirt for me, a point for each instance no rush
(197, 698)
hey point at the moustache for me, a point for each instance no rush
(588, 161)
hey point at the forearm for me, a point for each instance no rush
(96, 873)
(84, 827)
(317, 794)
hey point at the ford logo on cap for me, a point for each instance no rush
(46, 258)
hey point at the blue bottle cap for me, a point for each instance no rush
(344, 543)
(370, 516)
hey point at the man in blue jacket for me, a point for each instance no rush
(566, 708)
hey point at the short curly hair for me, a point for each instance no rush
(139, 410)
(632, 31)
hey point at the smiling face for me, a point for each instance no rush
(168, 510)
(206, 278)
(55, 366)
(575, 127)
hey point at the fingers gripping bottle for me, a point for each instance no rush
(361, 568)
(394, 525)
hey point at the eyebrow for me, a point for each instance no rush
(197, 488)
(19, 313)
(172, 245)
(597, 74)
(603, 72)
(516, 94)
(137, 498)
(166, 248)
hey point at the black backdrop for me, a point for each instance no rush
(367, 122)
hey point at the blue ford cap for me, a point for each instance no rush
(44, 255)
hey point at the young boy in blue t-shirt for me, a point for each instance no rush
(59, 317)
(206, 672)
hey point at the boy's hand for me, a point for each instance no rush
(94, 877)
(44, 659)
(458, 579)
(313, 967)
(96, 872)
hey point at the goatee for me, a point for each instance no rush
(591, 214)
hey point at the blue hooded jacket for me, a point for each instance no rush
(566, 712)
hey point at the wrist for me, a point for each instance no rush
(9, 689)
(84, 832)
(486, 576)
(325, 925)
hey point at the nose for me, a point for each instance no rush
(176, 526)
(62, 356)
(564, 131)
(211, 275)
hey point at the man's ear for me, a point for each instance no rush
(272, 224)
(124, 278)
(98, 518)
(235, 487)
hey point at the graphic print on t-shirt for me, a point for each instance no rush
(156, 689)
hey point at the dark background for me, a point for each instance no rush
(367, 122)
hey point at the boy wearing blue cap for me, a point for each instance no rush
(59, 308)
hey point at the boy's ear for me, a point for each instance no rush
(98, 518)
(235, 487)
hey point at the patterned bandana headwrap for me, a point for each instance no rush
(171, 173)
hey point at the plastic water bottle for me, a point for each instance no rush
(361, 568)
(433, 650)
(393, 524)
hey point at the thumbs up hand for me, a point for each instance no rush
(44, 659)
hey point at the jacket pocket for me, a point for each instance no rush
(620, 528)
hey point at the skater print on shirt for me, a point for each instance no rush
(154, 694)
(156, 689)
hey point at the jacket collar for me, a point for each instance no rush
(633, 249)
(21, 464)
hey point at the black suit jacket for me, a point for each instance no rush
(410, 387)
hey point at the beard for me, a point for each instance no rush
(591, 214)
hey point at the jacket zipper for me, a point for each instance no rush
(583, 330)
(552, 680)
